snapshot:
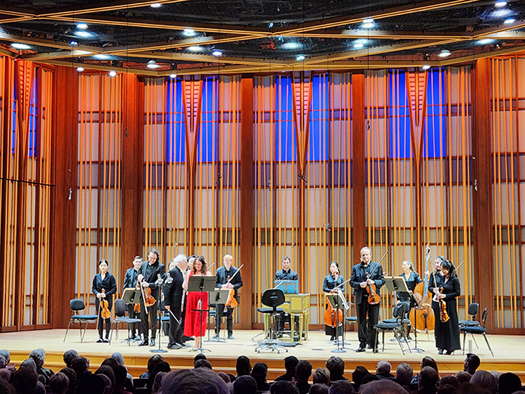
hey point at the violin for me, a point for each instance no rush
(149, 300)
(105, 313)
(443, 314)
(232, 301)
(373, 297)
(422, 316)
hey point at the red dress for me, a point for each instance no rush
(194, 323)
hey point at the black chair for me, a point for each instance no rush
(76, 306)
(271, 299)
(480, 330)
(120, 317)
(397, 325)
(473, 310)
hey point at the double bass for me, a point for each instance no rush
(422, 316)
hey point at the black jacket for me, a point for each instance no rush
(359, 274)
(286, 275)
(151, 275)
(223, 276)
(173, 291)
(109, 284)
(130, 280)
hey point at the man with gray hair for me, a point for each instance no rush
(383, 369)
(404, 375)
(39, 357)
(173, 291)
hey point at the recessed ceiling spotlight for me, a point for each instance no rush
(188, 32)
(83, 34)
(368, 23)
(82, 26)
(73, 43)
(361, 40)
(217, 53)
(300, 58)
(292, 45)
(155, 5)
(499, 4)
(358, 45)
(19, 45)
(425, 67)
(112, 73)
(152, 64)
(485, 41)
(444, 53)
(101, 56)
(80, 69)
(501, 13)
(173, 76)
(270, 25)
(195, 48)
(509, 21)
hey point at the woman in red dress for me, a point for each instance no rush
(195, 322)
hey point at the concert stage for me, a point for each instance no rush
(508, 351)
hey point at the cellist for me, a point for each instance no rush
(331, 284)
(367, 279)
(411, 279)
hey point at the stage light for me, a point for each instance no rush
(82, 26)
(152, 64)
(291, 45)
(112, 73)
(358, 45)
(101, 56)
(425, 67)
(444, 53)
(499, 4)
(173, 76)
(195, 48)
(485, 41)
(300, 58)
(509, 21)
(155, 5)
(73, 43)
(19, 45)
(83, 34)
(80, 69)
(217, 53)
(188, 32)
(81, 52)
(368, 23)
(501, 13)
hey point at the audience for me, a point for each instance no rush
(244, 384)
(39, 355)
(69, 356)
(318, 388)
(259, 372)
(243, 366)
(358, 376)
(283, 387)
(58, 383)
(383, 369)
(428, 379)
(471, 364)
(322, 376)
(404, 375)
(486, 380)
(342, 387)
(303, 371)
(336, 366)
(290, 363)
(508, 383)
(383, 386)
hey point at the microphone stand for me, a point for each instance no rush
(160, 286)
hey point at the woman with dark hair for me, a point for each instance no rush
(331, 284)
(195, 321)
(104, 286)
(243, 366)
(446, 289)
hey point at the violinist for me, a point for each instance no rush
(228, 277)
(149, 272)
(366, 280)
(446, 288)
(286, 273)
(104, 286)
(130, 281)
(173, 300)
(331, 284)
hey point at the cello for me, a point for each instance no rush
(331, 318)
(422, 316)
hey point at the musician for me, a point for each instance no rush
(411, 279)
(130, 281)
(104, 286)
(228, 278)
(446, 287)
(365, 274)
(286, 273)
(331, 284)
(173, 290)
(149, 273)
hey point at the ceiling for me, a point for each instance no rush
(254, 36)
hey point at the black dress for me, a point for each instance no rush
(447, 334)
(109, 285)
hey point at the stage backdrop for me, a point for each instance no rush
(336, 161)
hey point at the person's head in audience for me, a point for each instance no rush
(69, 356)
(472, 363)
(72, 377)
(245, 384)
(486, 380)
(111, 362)
(318, 388)
(108, 371)
(508, 383)
(59, 383)
(80, 365)
(303, 371)
(3, 362)
(463, 377)
(259, 372)
(428, 378)
(117, 356)
(404, 374)
(25, 378)
(447, 385)
(283, 387)
(203, 364)
(243, 366)
(322, 376)
(290, 363)
(39, 356)
(157, 382)
(359, 375)
(428, 361)
(341, 387)
(383, 369)
(121, 377)
(336, 366)
(153, 362)
(193, 381)
(224, 376)
(93, 384)
(383, 386)
(6, 355)
(200, 356)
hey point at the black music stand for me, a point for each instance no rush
(216, 297)
(338, 305)
(131, 295)
(203, 283)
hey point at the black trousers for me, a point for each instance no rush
(101, 321)
(133, 315)
(219, 313)
(367, 317)
(176, 327)
(149, 320)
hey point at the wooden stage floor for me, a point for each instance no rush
(509, 351)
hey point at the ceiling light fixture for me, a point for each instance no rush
(509, 21)
(80, 69)
(300, 58)
(501, 13)
(188, 32)
(217, 53)
(291, 45)
(485, 41)
(195, 48)
(155, 5)
(500, 4)
(19, 45)
(358, 45)
(73, 43)
(101, 56)
(152, 64)
(173, 76)
(112, 73)
(83, 34)
(368, 23)
(82, 26)
(444, 53)
(425, 67)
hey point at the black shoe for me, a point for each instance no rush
(332, 338)
(181, 345)
(360, 349)
(440, 351)
(144, 343)
(105, 340)
(152, 342)
(449, 352)
(216, 336)
(230, 336)
(175, 346)
(100, 340)
(375, 350)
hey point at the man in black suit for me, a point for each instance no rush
(130, 281)
(286, 273)
(227, 278)
(173, 291)
(149, 273)
(366, 273)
